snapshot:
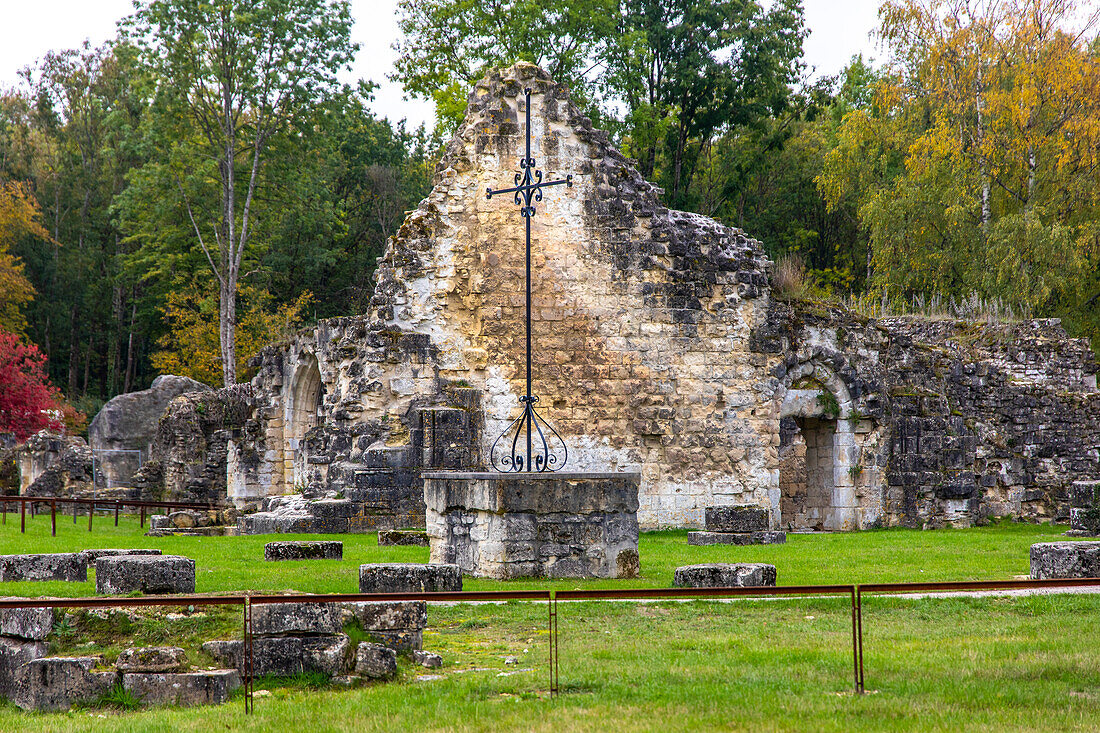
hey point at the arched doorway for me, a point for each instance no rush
(302, 413)
(817, 452)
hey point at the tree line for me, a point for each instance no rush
(204, 183)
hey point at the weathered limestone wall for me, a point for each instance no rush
(950, 422)
(642, 314)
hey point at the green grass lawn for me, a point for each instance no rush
(933, 664)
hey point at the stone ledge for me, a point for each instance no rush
(67, 566)
(304, 550)
(209, 687)
(409, 578)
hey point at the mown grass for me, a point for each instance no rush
(232, 564)
(932, 664)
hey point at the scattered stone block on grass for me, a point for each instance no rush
(152, 659)
(1065, 560)
(304, 550)
(27, 623)
(208, 687)
(737, 538)
(736, 518)
(152, 574)
(409, 578)
(724, 575)
(272, 619)
(57, 683)
(375, 661)
(427, 659)
(398, 537)
(66, 566)
(396, 624)
(90, 556)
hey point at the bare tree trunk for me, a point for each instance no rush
(127, 379)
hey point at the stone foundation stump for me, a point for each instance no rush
(304, 550)
(407, 577)
(724, 575)
(556, 525)
(402, 537)
(1065, 560)
(151, 574)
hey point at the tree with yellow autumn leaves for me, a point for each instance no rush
(976, 167)
(19, 218)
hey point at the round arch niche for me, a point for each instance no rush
(817, 450)
(302, 414)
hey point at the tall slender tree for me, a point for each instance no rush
(233, 75)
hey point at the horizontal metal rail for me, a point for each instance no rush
(551, 597)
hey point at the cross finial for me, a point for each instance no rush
(541, 438)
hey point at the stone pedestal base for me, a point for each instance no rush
(557, 525)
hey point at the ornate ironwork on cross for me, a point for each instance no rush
(529, 443)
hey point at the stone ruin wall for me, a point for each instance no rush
(657, 348)
(642, 315)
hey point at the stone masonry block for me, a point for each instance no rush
(152, 659)
(207, 687)
(27, 623)
(56, 566)
(144, 573)
(304, 550)
(409, 578)
(724, 575)
(1065, 560)
(270, 619)
(736, 518)
(56, 683)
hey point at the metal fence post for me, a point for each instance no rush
(53, 518)
(117, 505)
(23, 516)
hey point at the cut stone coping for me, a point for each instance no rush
(67, 566)
(304, 550)
(1065, 560)
(529, 475)
(144, 573)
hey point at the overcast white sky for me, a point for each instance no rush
(839, 29)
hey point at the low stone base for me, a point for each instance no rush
(402, 577)
(723, 575)
(305, 550)
(737, 538)
(557, 525)
(67, 566)
(1065, 560)
(209, 687)
(157, 659)
(144, 574)
(57, 683)
(276, 619)
(398, 537)
(14, 653)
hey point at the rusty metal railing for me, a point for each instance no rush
(854, 592)
(116, 504)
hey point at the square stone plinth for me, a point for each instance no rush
(557, 525)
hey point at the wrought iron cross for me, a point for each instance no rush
(541, 451)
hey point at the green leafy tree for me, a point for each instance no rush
(448, 44)
(234, 78)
